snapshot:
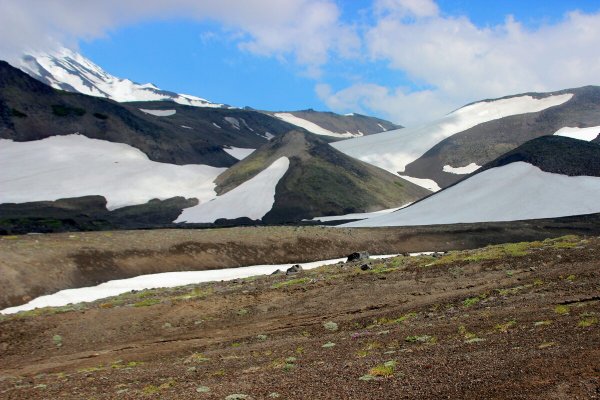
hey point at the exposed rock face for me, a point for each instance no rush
(294, 269)
(357, 256)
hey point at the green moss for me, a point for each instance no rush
(504, 327)
(146, 303)
(291, 282)
(561, 309)
(471, 301)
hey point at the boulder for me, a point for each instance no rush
(360, 255)
(365, 267)
(294, 269)
(277, 272)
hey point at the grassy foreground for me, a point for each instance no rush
(508, 321)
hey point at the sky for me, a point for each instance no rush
(407, 61)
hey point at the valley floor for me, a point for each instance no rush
(513, 321)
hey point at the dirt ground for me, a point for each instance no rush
(35, 265)
(515, 321)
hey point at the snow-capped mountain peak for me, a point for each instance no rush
(68, 70)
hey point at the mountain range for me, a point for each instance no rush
(82, 149)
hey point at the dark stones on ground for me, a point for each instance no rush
(277, 272)
(357, 256)
(365, 267)
(294, 269)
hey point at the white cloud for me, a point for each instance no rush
(407, 8)
(463, 62)
(308, 31)
(399, 105)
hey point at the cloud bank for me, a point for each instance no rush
(453, 58)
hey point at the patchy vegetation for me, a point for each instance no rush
(422, 327)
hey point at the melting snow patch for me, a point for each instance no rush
(162, 280)
(217, 126)
(469, 169)
(587, 134)
(186, 127)
(233, 122)
(253, 198)
(382, 127)
(357, 215)
(517, 191)
(74, 165)
(394, 150)
(159, 113)
(239, 152)
(311, 126)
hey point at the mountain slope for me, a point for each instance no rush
(165, 131)
(67, 70)
(484, 142)
(319, 181)
(335, 125)
(396, 151)
(546, 177)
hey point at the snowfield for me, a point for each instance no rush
(74, 165)
(394, 150)
(68, 70)
(238, 152)
(587, 134)
(516, 191)
(357, 215)
(428, 184)
(253, 198)
(161, 280)
(160, 113)
(312, 127)
(468, 169)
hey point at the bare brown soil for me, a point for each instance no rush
(34, 265)
(507, 322)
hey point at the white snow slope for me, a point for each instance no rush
(394, 150)
(312, 127)
(161, 280)
(74, 165)
(587, 134)
(159, 113)
(467, 169)
(356, 215)
(239, 152)
(253, 198)
(516, 191)
(68, 70)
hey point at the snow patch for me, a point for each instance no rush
(160, 280)
(357, 215)
(311, 126)
(587, 134)
(159, 113)
(382, 127)
(238, 152)
(253, 198)
(517, 191)
(186, 127)
(217, 126)
(468, 169)
(269, 135)
(233, 122)
(74, 165)
(394, 150)
(428, 184)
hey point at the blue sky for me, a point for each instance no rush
(403, 60)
